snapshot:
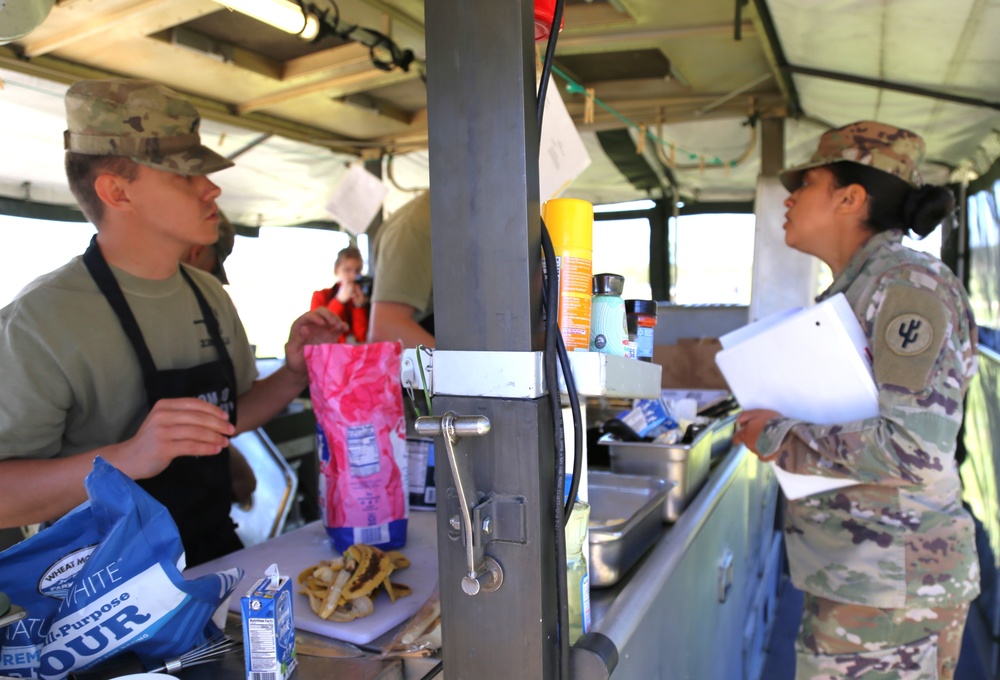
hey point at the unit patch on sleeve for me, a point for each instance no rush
(909, 334)
(910, 331)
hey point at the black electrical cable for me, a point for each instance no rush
(555, 350)
(378, 43)
(550, 264)
(550, 298)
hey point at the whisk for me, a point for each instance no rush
(128, 662)
(211, 649)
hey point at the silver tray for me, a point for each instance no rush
(686, 465)
(625, 521)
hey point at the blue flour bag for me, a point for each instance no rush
(37, 574)
(104, 579)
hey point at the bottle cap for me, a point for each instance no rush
(570, 222)
(608, 284)
(646, 307)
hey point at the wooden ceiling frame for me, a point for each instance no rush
(142, 17)
(335, 86)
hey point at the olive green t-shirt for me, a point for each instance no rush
(71, 380)
(402, 248)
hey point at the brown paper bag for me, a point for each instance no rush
(690, 364)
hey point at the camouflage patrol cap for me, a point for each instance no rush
(139, 119)
(884, 147)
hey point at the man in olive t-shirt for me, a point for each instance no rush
(402, 296)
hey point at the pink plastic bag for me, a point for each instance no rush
(361, 439)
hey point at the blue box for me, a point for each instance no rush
(269, 628)
(648, 416)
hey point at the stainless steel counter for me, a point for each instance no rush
(692, 584)
(612, 609)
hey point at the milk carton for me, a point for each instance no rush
(268, 628)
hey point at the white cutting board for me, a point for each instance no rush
(298, 549)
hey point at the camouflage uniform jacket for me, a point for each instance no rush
(901, 538)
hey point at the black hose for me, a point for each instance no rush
(555, 349)
(550, 299)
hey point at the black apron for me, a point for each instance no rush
(195, 489)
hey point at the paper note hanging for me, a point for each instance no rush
(562, 155)
(355, 201)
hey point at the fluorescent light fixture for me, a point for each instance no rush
(642, 204)
(278, 13)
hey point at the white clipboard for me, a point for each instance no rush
(811, 364)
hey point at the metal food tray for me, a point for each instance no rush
(723, 430)
(685, 465)
(625, 521)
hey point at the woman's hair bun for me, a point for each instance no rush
(926, 207)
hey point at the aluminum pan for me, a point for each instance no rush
(625, 521)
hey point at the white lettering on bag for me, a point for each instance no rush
(95, 630)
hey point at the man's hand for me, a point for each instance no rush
(173, 427)
(749, 425)
(312, 328)
(40, 490)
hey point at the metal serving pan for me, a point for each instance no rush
(625, 521)
(686, 465)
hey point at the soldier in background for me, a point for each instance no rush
(888, 566)
(211, 258)
(402, 301)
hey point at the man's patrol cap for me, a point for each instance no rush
(139, 119)
(884, 147)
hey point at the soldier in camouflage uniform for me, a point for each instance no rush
(888, 566)
(124, 352)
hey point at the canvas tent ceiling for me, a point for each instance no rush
(296, 113)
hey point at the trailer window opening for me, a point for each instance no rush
(984, 264)
(711, 258)
(272, 279)
(34, 247)
(622, 247)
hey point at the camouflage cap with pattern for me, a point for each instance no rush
(884, 147)
(140, 119)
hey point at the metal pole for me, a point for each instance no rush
(487, 287)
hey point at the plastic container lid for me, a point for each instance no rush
(570, 222)
(608, 284)
(545, 11)
(645, 307)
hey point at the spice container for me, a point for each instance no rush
(640, 317)
(608, 331)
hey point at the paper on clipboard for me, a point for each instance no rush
(812, 365)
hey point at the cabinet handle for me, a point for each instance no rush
(725, 574)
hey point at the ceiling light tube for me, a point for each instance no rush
(278, 13)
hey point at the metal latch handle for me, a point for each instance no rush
(487, 576)
(725, 574)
